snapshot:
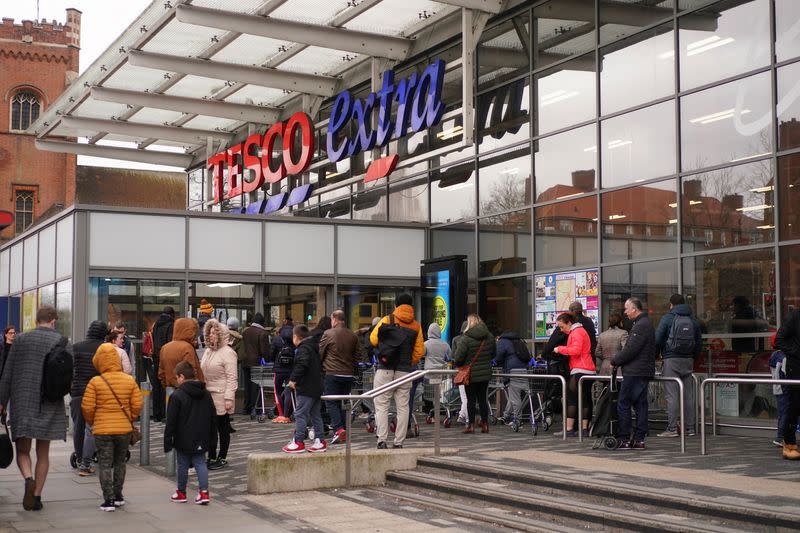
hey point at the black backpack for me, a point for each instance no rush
(392, 343)
(57, 372)
(285, 358)
(681, 336)
(521, 350)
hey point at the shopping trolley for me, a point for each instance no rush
(264, 377)
(449, 397)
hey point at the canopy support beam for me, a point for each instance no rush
(167, 133)
(152, 157)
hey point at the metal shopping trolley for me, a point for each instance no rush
(449, 400)
(264, 377)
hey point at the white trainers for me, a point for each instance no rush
(318, 446)
(294, 447)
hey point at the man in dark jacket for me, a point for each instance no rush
(256, 349)
(638, 360)
(306, 381)
(787, 340)
(83, 372)
(189, 425)
(678, 360)
(576, 308)
(339, 350)
(283, 355)
(162, 334)
(513, 355)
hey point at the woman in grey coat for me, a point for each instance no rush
(609, 343)
(33, 417)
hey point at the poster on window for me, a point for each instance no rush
(555, 293)
(728, 399)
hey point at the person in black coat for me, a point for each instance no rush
(162, 334)
(306, 381)
(638, 360)
(787, 340)
(190, 417)
(83, 371)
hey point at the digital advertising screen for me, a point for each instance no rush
(438, 301)
(555, 292)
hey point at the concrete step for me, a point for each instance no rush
(563, 510)
(751, 517)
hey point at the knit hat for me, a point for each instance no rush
(205, 307)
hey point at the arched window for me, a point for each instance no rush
(25, 108)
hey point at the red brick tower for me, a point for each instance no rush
(38, 60)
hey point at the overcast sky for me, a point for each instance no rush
(102, 21)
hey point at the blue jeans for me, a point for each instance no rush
(82, 436)
(198, 461)
(633, 392)
(308, 407)
(337, 385)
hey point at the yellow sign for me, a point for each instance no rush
(440, 312)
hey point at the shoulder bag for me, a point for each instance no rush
(6, 448)
(136, 435)
(463, 374)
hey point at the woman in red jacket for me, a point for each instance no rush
(581, 363)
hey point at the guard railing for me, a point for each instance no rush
(355, 399)
(714, 423)
(713, 382)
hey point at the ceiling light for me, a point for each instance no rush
(720, 115)
(768, 226)
(590, 149)
(749, 157)
(617, 217)
(333, 175)
(557, 96)
(763, 189)
(618, 143)
(673, 221)
(223, 285)
(667, 55)
(707, 44)
(695, 202)
(674, 204)
(445, 135)
(761, 207)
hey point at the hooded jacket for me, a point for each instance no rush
(509, 346)
(665, 326)
(100, 408)
(787, 340)
(638, 357)
(190, 416)
(219, 365)
(162, 332)
(181, 348)
(468, 346)
(403, 317)
(579, 350)
(339, 351)
(82, 353)
(436, 350)
(307, 370)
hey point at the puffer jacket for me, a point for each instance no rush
(609, 343)
(468, 345)
(219, 366)
(436, 350)
(83, 353)
(100, 408)
(512, 353)
(181, 348)
(579, 349)
(403, 317)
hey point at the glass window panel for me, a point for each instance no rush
(453, 193)
(790, 279)
(303, 303)
(565, 164)
(505, 244)
(652, 282)
(789, 196)
(617, 20)
(361, 304)
(29, 310)
(729, 207)
(408, 200)
(504, 181)
(789, 105)
(637, 70)
(729, 123)
(563, 30)
(505, 305)
(723, 40)
(504, 51)
(733, 293)
(565, 95)
(64, 307)
(370, 204)
(47, 296)
(787, 36)
(566, 234)
(638, 145)
(503, 116)
(639, 222)
(458, 239)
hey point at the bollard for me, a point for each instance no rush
(170, 458)
(348, 437)
(144, 421)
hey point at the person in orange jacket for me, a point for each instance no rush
(400, 344)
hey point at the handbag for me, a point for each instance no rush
(463, 374)
(136, 435)
(6, 449)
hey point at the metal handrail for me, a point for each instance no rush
(714, 381)
(594, 377)
(749, 377)
(353, 400)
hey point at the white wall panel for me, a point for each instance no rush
(47, 254)
(4, 255)
(31, 258)
(299, 248)
(65, 245)
(231, 245)
(16, 268)
(136, 241)
(377, 251)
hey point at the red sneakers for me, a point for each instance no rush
(339, 436)
(202, 498)
(294, 447)
(179, 496)
(318, 446)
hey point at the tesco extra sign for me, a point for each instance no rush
(415, 102)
